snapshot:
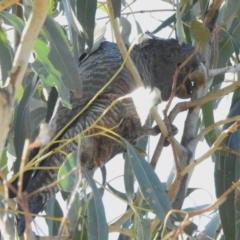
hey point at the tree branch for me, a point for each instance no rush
(8, 93)
(183, 106)
(218, 71)
(140, 11)
(212, 127)
(7, 3)
(234, 127)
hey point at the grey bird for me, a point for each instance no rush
(156, 61)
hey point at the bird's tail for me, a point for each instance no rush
(41, 188)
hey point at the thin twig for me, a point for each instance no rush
(218, 71)
(234, 127)
(7, 3)
(139, 12)
(183, 106)
(211, 207)
(213, 126)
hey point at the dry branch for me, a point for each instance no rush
(8, 93)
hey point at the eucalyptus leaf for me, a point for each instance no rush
(5, 57)
(4, 162)
(99, 32)
(200, 33)
(72, 19)
(179, 25)
(96, 222)
(229, 10)
(68, 183)
(86, 10)
(143, 228)
(61, 57)
(118, 193)
(116, 8)
(53, 209)
(208, 119)
(226, 172)
(126, 28)
(21, 115)
(128, 179)
(150, 185)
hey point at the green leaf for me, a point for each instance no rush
(150, 185)
(86, 10)
(72, 19)
(104, 175)
(139, 29)
(96, 222)
(128, 179)
(5, 57)
(52, 100)
(166, 23)
(51, 6)
(37, 116)
(118, 193)
(56, 66)
(227, 171)
(12, 20)
(75, 207)
(208, 119)
(99, 32)
(179, 25)
(229, 10)
(102, 6)
(53, 209)
(4, 162)
(61, 56)
(200, 33)
(80, 232)
(48, 73)
(126, 28)
(143, 228)
(116, 8)
(21, 116)
(68, 183)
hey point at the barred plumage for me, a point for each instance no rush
(156, 60)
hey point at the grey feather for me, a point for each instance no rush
(156, 60)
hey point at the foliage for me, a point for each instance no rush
(152, 207)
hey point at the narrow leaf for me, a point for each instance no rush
(48, 73)
(4, 162)
(126, 28)
(150, 185)
(20, 116)
(229, 10)
(128, 179)
(200, 33)
(53, 209)
(5, 57)
(226, 172)
(143, 229)
(208, 119)
(179, 25)
(116, 8)
(96, 222)
(68, 183)
(86, 10)
(61, 56)
(99, 32)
